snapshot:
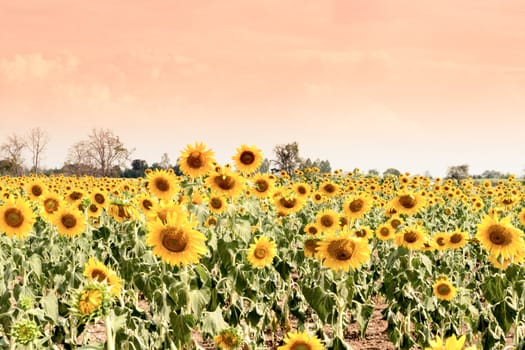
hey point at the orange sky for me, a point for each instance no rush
(416, 85)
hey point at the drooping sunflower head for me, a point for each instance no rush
(412, 237)
(196, 160)
(95, 270)
(94, 300)
(502, 263)
(228, 339)
(261, 252)
(499, 237)
(327, 220)
(69, 221)
(342, 252)
(175, 241)
(163, 184)
(247, 159)
(301, 341)
(16, 217)
(443, 289)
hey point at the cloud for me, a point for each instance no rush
(35, 66)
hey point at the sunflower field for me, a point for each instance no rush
(226, 257)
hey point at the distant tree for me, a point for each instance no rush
(165, 161)
(36, 141)
(77, 162)
(139, 165)
(287, 157)
(492, 174)
(391, 171)
(373, 172)
(265, 166)
(458, 172)
(102, 151)
(6, 167)
(323, 165)
(12, 150)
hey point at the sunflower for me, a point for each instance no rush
(93, 300)
(287, 204)
(228, 339)
(364, 232)
(502, 263)
(121, 212)
(311, 229)
(49, 205)
(16, 217)
(443, 289)
(499, 237)
(69, 221)
(357, 206)
(163, 184)
(408, 203)
(395, 222)
(196, 161)
(521, 216)
(261, 252)
(440, 240)
(317, 197)
(302, 189)
(263, 185)
(457, 239)
(451, 343)
(145, 203)
(224, 181)
(35, 188)
(94, 210)
(248, 159)
(74, 196)
(327, 220)
(99, 198)
(301, 341)
(217, 204)
(176, 241)
(385, 232)
(310, 247)
(329, 188)
(342, 252)
(211, 221)
(95, 270)
(412, 237)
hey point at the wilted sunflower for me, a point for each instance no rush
(499, 237)
(457, 239)
(342, 252)
(163, 184)
(357, 206)
(196, 161)
(412, 237)
(247, 159)
(224, 181)
(175, 241)
(443, 289)
(408, 203)
(93, 300)
(95, 270)
(301, 341)
(261, 252)
(385, 232)
(327, 220)
(16, 217)
(228, 339)
(69, 221)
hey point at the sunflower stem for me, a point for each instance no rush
(110, 341)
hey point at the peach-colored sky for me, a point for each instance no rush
(416, 85)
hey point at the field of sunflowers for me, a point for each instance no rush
(225, 257)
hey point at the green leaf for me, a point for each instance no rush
(494, 289)
(50, 305)
(35, 264)
(199, 298)
(362, 315)
(322, 302)
(505, 315)
(92, 347)
(182, 326)
(339, 344)
(213, 322)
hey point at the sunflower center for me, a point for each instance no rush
(343, 221)
(194, 160)
(507, 201)
(247, 157)
(261, 186)
(301, 190)
(75, 195)
(456, 238)
(341, 249)
(147, 204)
(443, 289)
(93, 208)
(68, 220)
(288, 202)
(440, 241)
(498, 235)
(14, 217)
(98, 275)
(329, 188)
(410, 237)
(384, 231)
(224, 182)
(311, 245)
(327, 221)
(407, 201)
(174, 240)
(300, 345)
(36, 190)
(216, 203)
(260, 252)
(360, 233)
(162, 184)
(395, 223)
(99, 198)
(312, 230)
(356, 205)
(50, 205)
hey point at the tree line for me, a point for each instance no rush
(102, 153)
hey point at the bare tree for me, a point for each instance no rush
(102, 151)
(165, 161)
(36, 142)
(12, 150)
(77, 161)
(287, 157)
(458, 172)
